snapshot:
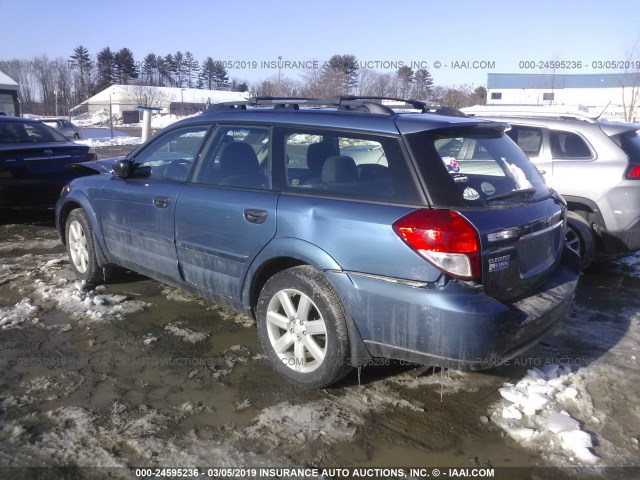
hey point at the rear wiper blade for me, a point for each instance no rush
(524, 192)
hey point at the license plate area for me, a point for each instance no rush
(539, 250)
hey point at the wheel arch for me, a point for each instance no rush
(285, 253)
(71, 202)
(278, 255)
(586, 208)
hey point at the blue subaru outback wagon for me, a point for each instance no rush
(347, 229)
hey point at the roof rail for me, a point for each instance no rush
(350, 103)
(514, 111)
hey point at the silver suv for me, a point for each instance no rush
(594, 164)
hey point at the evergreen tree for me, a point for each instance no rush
(422, 85)
(179, 62)
(191, 69)
(163, 71)
(105, 67)
(81, 61)
(150, 69)
(405, 77)
(207, 77)
(169, 69)
(220, 76)
(124, 66)
(341, 72)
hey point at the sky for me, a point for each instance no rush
(458, 41)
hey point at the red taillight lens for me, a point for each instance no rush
(92, 156)
(633, 173)
(444, 238)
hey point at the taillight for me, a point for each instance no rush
(444, 238)
(633, 172)
(92, 156)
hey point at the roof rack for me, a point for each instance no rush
(351, 103)
(513, 111)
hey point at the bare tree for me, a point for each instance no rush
(630, 83)
(146, 95)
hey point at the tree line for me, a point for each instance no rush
(54, 86)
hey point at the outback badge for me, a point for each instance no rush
(499, 263)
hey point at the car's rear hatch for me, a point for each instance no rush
(477, 172)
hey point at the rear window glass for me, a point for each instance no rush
(28, 132)
(631, 145)
(475, 167)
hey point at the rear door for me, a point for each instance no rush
(227, 213)
(138, 213)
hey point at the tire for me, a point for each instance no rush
(580, 239)
(81, 249)
(76, 136)
(302, 328)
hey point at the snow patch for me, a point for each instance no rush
(12, 317)
(534, 413)
(186, 334)
(109, 142)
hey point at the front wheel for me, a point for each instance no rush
(81, 249)
(302, 328)
(579, 238)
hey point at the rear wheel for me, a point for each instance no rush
(580, 239)
(81, 249)
(302, 328)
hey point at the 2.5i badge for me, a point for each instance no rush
(499, 263)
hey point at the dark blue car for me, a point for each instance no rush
(34, 163)
(348, 231)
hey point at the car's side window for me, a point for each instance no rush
(170, 156)
(346, 165)
(237, 156)
(529, 139)
(568, 145)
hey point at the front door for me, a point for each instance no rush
(137, 213)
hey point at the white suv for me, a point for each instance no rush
(594, 164)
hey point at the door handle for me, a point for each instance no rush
(161, 202)
(255, 216)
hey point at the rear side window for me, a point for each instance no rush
(529, 139)
(568, 145)
(474, 167)
(347, 165)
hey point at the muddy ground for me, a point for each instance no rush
(135, 373)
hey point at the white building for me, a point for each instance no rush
(8, 95)
(590, 94)
(127, 97)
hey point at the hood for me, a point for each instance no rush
(96, 167)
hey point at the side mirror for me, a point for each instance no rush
(122, 168)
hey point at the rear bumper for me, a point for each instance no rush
(457, 326)
(623, 241)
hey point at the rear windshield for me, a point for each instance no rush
(475, 167)
(630, 143)
(28, 132)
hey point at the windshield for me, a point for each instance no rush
(28, 132)
(475, 167)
